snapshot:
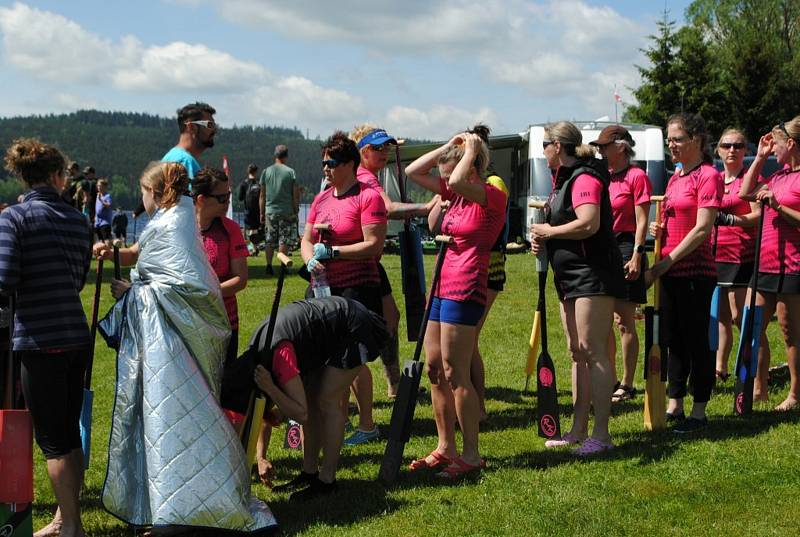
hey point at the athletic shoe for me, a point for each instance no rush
(303, 479)
(678, 416)
(592, 446)
(362, 437)
(315, 489)
(690, 425)
(566, 440)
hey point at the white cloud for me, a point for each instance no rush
(182, 66)
(440, 122)
(546, 74)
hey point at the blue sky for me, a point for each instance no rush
(420, 68)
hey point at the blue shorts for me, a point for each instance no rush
(454, 312)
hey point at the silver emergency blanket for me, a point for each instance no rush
(173, 457)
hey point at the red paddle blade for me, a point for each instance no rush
(16, 456)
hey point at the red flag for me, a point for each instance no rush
(617, 96)
(225, 167)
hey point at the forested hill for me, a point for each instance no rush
(120, 144)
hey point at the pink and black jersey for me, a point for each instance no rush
(223, 241)
(700, 188)
(474, 229)
(780, 240)
(365, 176)
(628, 188)
(348, 213)
(735, 244)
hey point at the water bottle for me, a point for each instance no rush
(319, 284)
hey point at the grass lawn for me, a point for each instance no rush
(738, 477)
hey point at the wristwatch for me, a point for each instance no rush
(639, 248)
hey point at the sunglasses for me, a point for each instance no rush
(782, 127)
(545, 143)
(221, 198)
(207, 123)
(380, 147)
(331, 163)
(678, 141)
(726, 145)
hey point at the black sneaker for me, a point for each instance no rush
(315, 489)
(302, 480)
(690, 425)
(270, 272)
(678, 416)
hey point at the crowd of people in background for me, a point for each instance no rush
(191, 262)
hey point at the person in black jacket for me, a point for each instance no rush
(587, 269)
(317, 348)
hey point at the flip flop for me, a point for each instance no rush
(439, 461)
(458, 467)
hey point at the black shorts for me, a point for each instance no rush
(103, 232)
(120, 233)
(734, 274)
(497, 271)
(53, 388)
(252, 220)
(386, 285)
(233, 348)
(781, 284)
(636, 290)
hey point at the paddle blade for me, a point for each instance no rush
(747, 361)
(713, 321)
(547, 415)
(655, 393)
(255, 428)
(413, 278)
(533, 344)
(86, 426)
(294, 436)
(16, 456)
(400, 424)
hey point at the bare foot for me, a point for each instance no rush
(761, 398)
(789, 404)
(265, 471)
(51, 530)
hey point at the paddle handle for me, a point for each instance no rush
(117, 266)
(284, 259)
(539, 218)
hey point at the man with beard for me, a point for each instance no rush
(197, 129)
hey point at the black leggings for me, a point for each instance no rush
(685, 306)
(53, 388)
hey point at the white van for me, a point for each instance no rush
(649, 148)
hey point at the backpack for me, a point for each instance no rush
(252, 196)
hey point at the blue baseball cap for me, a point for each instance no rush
(376, 137)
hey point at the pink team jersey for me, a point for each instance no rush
(474, 229)
(348, 213)
(284, 362)
(780, 240)
(735, 244)
(368, 178)
(699, 189)
(627, 189)
(586, 189)
(223, 243)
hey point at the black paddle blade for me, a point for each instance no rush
(548, 421)
(400, 425)
(413, 277)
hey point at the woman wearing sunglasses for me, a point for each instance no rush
(223, 243)
(734, 249)
(475, 218)
(687, 269)
(629, 191)
(587, 269)
(779, 262)
(348, 253)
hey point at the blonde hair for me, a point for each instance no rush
(792, 127)
(33, 161)
(168, 181)
(455, 153)
(571, 139)
(102, 182)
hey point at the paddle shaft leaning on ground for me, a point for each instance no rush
(548, 422)
(88, 394)
(411, 266)
(536, 329)
(255, 409)
(713, 319)
(747, 354)
(655, 392)
(406, 401)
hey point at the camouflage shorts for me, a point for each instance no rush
(282, 229)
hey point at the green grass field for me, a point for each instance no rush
(738, 477)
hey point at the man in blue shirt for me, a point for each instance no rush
(197, 129)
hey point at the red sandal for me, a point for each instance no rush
(439, 461)
(460, 468)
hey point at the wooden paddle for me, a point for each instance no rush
(655, 390)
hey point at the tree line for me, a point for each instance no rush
(735, 62)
